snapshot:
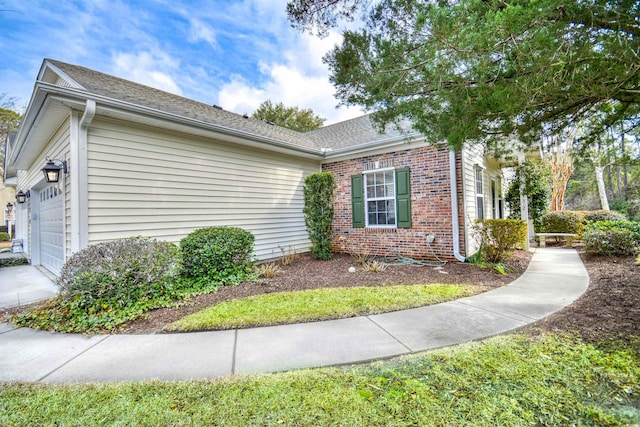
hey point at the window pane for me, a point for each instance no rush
(380, 195)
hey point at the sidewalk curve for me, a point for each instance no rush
(554, 279)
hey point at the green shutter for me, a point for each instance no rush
(357, 201)
(403, 197)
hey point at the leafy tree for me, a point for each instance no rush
(487, 70)
(9, 121)
(323, 14)
(537, 187)
(294, 118)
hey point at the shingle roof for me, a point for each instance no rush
(352, 132)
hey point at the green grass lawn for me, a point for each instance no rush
(318, 304)
(514, 380)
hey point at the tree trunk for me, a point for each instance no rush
(604, 201)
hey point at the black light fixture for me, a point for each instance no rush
(21, 196)
(52, 169)
(9, 207)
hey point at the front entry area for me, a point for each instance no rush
(51, 228)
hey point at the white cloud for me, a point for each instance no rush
(300, 79)
(200, 31)
(148, 69)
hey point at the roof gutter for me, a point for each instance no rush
(110, 103)
(454, 207)
(332, 154)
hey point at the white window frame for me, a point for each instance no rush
(479, 192)
(367, 199)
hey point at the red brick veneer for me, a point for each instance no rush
(430, 205)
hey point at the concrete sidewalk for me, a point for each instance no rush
(554, 279)
(23, 285)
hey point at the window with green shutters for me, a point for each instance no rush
(381, 198)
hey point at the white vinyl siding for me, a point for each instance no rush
(475, 199)
(165, 185)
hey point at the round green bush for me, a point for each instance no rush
(612, 238)
(120, 272)
(561, 222)
(221, 254)
(4, 237)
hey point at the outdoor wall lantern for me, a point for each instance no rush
(22, 197)
(52, 170)
(9, 207)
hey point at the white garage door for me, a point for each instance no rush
(52, 228)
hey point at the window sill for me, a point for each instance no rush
(381, 229)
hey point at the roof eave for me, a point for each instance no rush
(75, 99)
(408, 141)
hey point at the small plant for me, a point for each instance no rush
(288, 256)
(500, 237)
(218, 254)
(358, 251)
(268, 271)
(4, 237)
(374, 266)
(12, 262)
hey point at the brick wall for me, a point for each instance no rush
(430, 206)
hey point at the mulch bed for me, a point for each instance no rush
(308, 273)
(609, 309)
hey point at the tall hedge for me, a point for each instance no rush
(318, 212)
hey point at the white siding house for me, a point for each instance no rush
(145, 162)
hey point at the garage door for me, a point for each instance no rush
(52, 228)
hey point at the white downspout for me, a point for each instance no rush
(79, 187)
(454, 207)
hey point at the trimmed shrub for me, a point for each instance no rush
(562, 222)
(107, 284)
(218, 254)
(602, 215)
(318, 212)
(4, 237)
(121, 272)
(500, 237)
(612, 238)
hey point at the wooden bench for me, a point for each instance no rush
(570, 237)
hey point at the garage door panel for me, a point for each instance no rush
(52, 228)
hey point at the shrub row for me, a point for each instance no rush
(575, 221)
(109, 283)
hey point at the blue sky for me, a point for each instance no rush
(235, 54)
